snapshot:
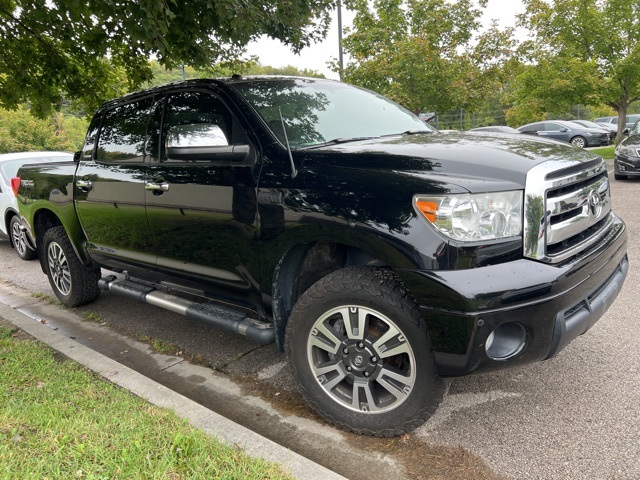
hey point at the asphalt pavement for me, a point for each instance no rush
(575, 416)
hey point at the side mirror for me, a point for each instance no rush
(77, 156)
(204, 143)
(564, 129)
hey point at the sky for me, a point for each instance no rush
(316, 57)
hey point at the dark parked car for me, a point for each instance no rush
(567, 132)
(626, 161)
(495, 128)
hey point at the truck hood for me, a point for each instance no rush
(478, 161)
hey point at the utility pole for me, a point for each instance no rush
(340, 37)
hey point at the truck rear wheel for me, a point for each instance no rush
(361, 353)
(19, 240)
(73, 283)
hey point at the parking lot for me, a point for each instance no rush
(574, 416)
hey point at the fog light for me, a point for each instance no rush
(506, 341)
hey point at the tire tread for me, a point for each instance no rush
(84, 280)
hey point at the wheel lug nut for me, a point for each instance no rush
(374, 359)
(349, 368)
(366, 374)
(345, 351)
(361, 345)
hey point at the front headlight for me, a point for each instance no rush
(627, 151)
(467, 218)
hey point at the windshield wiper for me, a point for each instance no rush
(337, 141)
(408, 132)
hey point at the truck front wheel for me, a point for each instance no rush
(361, 353)
(73, 283)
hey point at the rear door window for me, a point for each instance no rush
(123, 136)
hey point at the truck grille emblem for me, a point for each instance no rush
(595, 203)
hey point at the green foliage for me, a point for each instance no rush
(91, 51)
(423, 54)
(22, 132)
(584, 51)
(252, 66)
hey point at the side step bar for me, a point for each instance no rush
(218, 316)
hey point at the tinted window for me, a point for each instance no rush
(534, 127)
(552, 127)
(124, 133)
(90, 140)
(195, 108)
(317, 111)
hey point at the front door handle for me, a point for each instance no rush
(157, 187)
(84, 185)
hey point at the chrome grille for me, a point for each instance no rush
(567, 209)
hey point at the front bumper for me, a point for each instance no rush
(626, 166)
(597, 141)
(554, 304)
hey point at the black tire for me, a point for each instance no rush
(579, 141)
(328, 362)
(19, 240)
(73, 283)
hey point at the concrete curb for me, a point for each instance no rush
(200, 417)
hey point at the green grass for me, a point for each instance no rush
(58, 420)
(605, 152)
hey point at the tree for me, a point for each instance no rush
(583, 51)
(22, 132)
(49, 50)
(423, 54)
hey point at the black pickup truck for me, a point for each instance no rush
(381, 255)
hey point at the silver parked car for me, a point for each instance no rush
(612, 131)
(569, 132)
(631, 119)
(10, 226)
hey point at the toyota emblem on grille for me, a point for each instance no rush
(595, 203)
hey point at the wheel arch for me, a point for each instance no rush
(43, 220)
(302, 265)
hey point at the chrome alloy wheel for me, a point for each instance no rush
(361, 359)
(18, 238)
(59, 268)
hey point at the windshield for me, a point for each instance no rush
(586, 123)
(319, 111)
